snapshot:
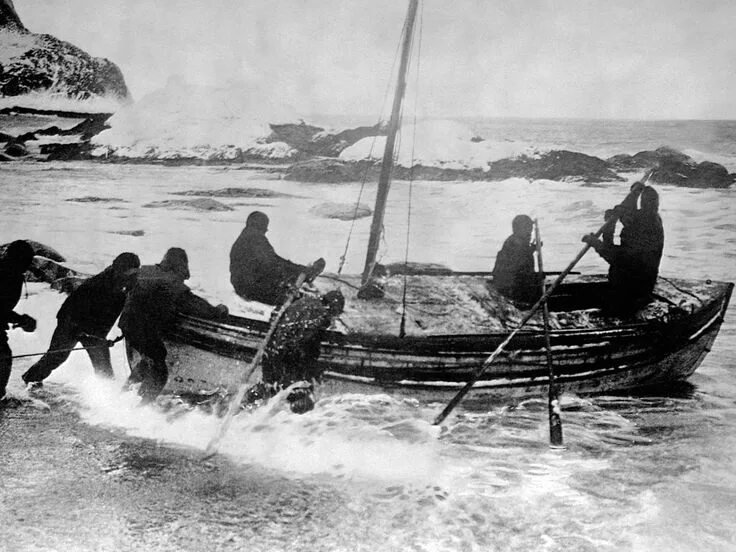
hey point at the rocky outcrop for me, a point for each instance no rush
(647, 159)
(32, 62)
(554, 165)
(670, 166)
(90, 125)
(200, 204)
(329, 170)
(235, 193)
(341, 211)
(693, 175)
(39, 249)
(47, 270)
(47, 266)
(95, 199)
(316, 141)
(9, 17)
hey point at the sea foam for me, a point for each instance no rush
(441, 143)
(183, 120)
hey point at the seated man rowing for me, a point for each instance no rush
(513, 274)
(256, 272)
(634, 263)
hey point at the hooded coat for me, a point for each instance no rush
(634, 264)
(256, 272)
(513, 273)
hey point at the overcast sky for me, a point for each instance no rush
(641, 59)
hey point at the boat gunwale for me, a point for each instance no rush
(236, 326)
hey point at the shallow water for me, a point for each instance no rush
(99, 472)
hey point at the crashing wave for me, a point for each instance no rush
(184, 121)
(442, 144)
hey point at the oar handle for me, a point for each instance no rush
(479, 371)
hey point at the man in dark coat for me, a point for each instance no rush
(256, 272)
(150, 310)
(292, 353)
(513, 274)
(634, 263)
(86, 317)
(13, 265)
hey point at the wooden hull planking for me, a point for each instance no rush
(205, 356)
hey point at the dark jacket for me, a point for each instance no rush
(514, 274)
(156, 297)
(257, 272)
(96, 303)
(292, 352)
(634, 264)
(11, 287)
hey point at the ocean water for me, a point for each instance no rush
(96, 471)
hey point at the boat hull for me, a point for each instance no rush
(205, 356)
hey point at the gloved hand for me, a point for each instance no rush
(637, 187)
(222, 310)
(590, 239)
(618, 211)
(27, 323)
(315, 269)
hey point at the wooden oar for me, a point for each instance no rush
(245, 379)
(553, 400)
(481, 369)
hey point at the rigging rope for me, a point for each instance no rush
(369, 162)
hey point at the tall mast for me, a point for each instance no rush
(384, 180)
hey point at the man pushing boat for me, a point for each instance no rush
(150, 310)
(13, 265)
(292, 352)
(86, 317)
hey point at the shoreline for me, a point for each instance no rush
(307, 153)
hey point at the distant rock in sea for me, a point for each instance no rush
(693, 175)
(553, 165)
(341, 211)
(134, 233)
(670, 166)
(95, 199)
(647, 159)
(316, 141)
(200, 204)
(235, 192)
(31, 62)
